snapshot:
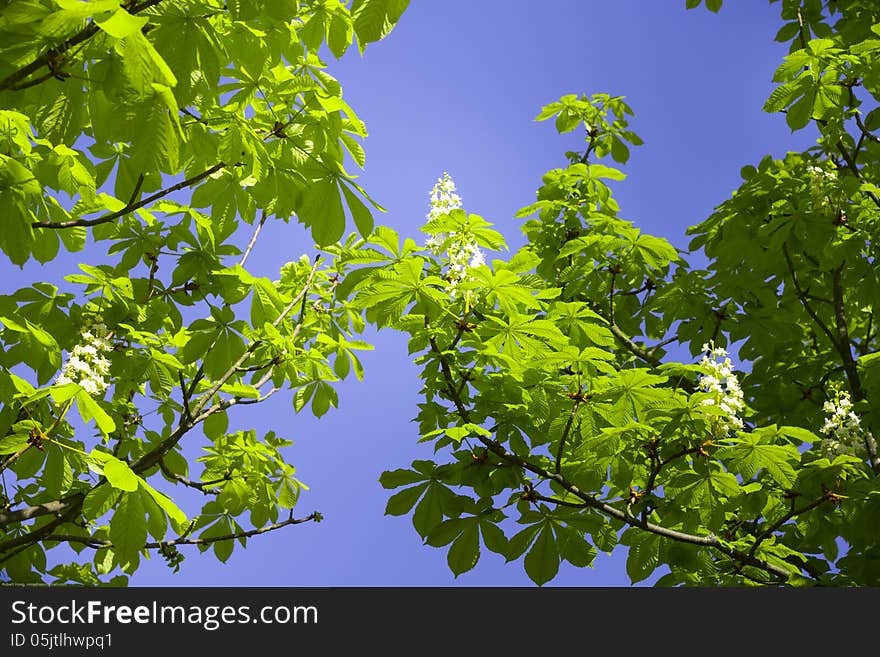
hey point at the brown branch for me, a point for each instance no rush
(658, 464)
(303, 293)
(802, 29)
(614, 272)
(852, 166)
(130, 207)
(202, 486)
(56, 506)
(14, 457)
(137, 189)
(843, 339)
(632, 347)
(565, 432)
(849, 363)
(793, 512)
(803, 297)
(312, 517)
(185, 396)
(96, 543)
(661, 344)
(710, 541)
(50, 57)
(39, 534)
(865, 132)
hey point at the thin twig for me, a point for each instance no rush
(254, 237)
(803, 297)
(565, 432)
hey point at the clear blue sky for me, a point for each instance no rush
(456, 88)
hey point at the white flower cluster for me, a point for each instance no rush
(820, 173)
(844, 432)
(719, 380)
(87, 364)
(821, 177)
(462, 251)
(443, 197)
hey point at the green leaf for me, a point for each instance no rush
(400, 477)
(643, 556)
(799, 114)
(118, 473)
(401, 503)
(88, 408)
(465, 551)
(575, 549)
(374, 19)
(542, 561)
(122, 24)
(177, 516)
(751, 454)
(13, 443)
(493, 537)
(216, 424)
(99, 501)
(322, 212)
(128, 530)
(363, 219)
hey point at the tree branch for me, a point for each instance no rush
(130, 207)
(851, 164)
(51, 56)
(843, 340)
(92, 542)
(803, 297)
(250, 246)
(28, 512)
(772, 529)
(201, 486)
(565, 432)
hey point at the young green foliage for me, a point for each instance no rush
(579, 395)
(167, 133)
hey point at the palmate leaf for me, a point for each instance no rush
(524, 334)
(505, 288)
(636, 390)
(753, 452)
(706, 491)
(655, 252)
(574, 548)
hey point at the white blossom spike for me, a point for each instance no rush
(86, 364)
(842, 428)
(719, 380)
(462, 251)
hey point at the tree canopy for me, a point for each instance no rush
(592, 390)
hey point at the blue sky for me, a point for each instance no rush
(456, 88)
